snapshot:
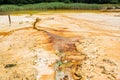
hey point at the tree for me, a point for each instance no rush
(52, 0)
(1, 1)
(66, 1)
(37, 1)
(114, 1)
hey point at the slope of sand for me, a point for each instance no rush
(65, 46)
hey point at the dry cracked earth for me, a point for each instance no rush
(60, 46)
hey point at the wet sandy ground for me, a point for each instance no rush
(88, 44)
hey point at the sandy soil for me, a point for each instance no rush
(65, 46)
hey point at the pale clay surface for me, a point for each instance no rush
(35, 56)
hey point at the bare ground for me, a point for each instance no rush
(65, 46)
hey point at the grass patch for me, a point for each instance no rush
(54, 6)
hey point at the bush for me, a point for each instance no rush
(10, 8)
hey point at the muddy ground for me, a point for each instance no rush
(64, 46)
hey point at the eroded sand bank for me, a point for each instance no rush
(65, 46)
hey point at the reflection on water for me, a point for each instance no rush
(52, 11)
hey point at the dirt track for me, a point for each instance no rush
(69, 46)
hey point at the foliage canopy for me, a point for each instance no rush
(65, 1)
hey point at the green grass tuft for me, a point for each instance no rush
(53, 6)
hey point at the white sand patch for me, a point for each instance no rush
(44, 60)
(106, 21)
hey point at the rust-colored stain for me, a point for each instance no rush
(62, 47)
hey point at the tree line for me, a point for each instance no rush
(65, 1)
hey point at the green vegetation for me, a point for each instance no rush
(65, 1)
(16, 5)
(51, 6)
